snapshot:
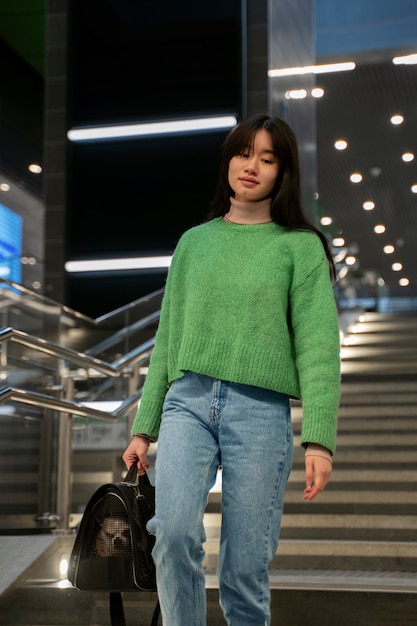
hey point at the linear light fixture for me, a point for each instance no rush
(312, 69)
(408, 59)
(113, 265)
(217, 122)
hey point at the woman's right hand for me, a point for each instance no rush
(136, 452)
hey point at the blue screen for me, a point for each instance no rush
(10, 244)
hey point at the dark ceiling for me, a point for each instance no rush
(356, 106)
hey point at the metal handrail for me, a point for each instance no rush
(128, 307)
(49, 302)
(80, 358)
(44, 301)
(68, 361)
(123, 333)
(66, 406)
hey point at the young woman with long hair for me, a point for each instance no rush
(248, 321)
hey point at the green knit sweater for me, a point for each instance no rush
(251, 304)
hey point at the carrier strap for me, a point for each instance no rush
(117, 614)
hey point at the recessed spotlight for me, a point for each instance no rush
(350, 260)
(368, 205)
(404, 282)
(414, 188)
(397, 119)
(397, 267)
(4, 187)
(341, 144)
(408, 157)
(408, 59)
(375, 171)
(356, 177)
(389, 249)
(317, 92)
(338, 242)
(35, 168)
(296, 94)
(326, 221)
(379, 229)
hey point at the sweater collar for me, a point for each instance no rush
(263, 206)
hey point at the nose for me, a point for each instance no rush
(251, 165)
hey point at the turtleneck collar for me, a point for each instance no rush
(260, 207)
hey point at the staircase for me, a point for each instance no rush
(348, 558)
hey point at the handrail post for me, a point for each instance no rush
(64, 463)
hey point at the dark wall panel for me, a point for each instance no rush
(136, 197)
(144, 60)
(133, 61)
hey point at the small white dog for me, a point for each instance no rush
(113, 537)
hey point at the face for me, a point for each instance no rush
(253, 173)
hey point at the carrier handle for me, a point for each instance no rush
(134, 478)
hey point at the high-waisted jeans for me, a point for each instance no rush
(247, 430)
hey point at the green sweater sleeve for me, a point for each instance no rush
(317, 352)
(148, 417)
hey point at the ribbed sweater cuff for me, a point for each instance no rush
(319, 426)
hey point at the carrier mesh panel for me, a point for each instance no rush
(108, 533)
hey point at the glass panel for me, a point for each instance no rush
(30, 444)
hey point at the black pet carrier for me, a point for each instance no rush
(112, 549)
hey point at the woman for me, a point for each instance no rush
(247, 322)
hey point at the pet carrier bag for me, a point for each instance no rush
(112, 549)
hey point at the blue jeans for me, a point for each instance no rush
(247, 430)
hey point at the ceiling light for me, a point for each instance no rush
(356, 177)
(350, 260)
(408, 59)
(109, 265)
(375, 171)
(397, 267)
(296, 94)
(340, 256)
(397, 119)
(35, 168)
(414, 188)
(4, 187)
(338, 242)
(389, 249)
(155, 128)
(379, 229)
(404, 282)
(317, 92)
(326, 221)
(408, 157)
(312, 69)
(340, 144)
(369, 205)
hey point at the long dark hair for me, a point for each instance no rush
(286, 206)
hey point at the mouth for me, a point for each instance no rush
(248, 182)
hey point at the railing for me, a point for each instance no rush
(73, 370)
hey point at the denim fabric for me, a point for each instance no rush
(247, 430)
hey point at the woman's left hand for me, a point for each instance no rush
(318, 472)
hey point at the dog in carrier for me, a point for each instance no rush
(113, 536)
